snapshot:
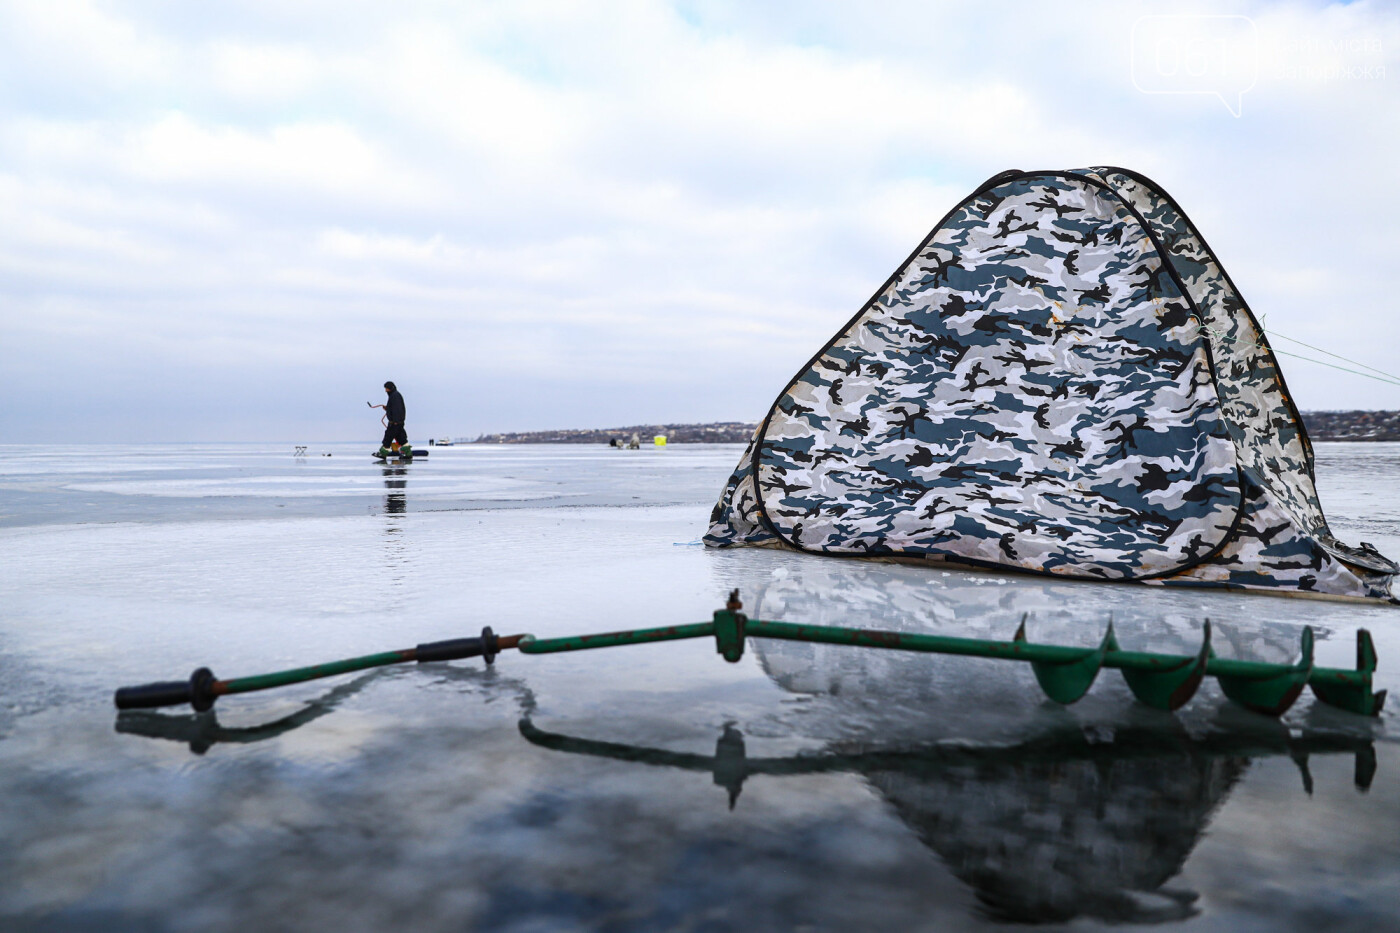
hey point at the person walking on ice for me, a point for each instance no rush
(394, 433)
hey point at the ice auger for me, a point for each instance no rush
(1162, 681)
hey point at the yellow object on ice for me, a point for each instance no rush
(659, 440)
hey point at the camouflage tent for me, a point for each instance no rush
(1061, 379)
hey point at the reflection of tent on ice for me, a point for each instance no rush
(1060, 379)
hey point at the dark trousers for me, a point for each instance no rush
(395, 432)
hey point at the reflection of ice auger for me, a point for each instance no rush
(1062, 825)
(731, 766)
(204, 731)
(1065, 674)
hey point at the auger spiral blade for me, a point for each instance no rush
(1352, 692)
(1067, 681)
(1270, 693)
(1172, 684)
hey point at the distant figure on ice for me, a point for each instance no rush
(394, 433)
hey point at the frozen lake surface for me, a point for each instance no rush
(640, 788)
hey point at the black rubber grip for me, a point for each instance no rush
(456, 648)
(198, 692)
(170, 693)
(449, 650)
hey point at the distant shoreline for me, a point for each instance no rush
(716, 432)
(1353, 425)
(1321, 425)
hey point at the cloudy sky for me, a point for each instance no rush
(235, 221)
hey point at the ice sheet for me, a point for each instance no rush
(902, 792)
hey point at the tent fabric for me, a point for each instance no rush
(1060, 379)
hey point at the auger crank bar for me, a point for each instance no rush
(1163, 681)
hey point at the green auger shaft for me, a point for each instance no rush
(529, 644)
(928, 644)
(1163, 681)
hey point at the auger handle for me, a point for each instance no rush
(148, 696)
(198, 692)
(202, 689)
